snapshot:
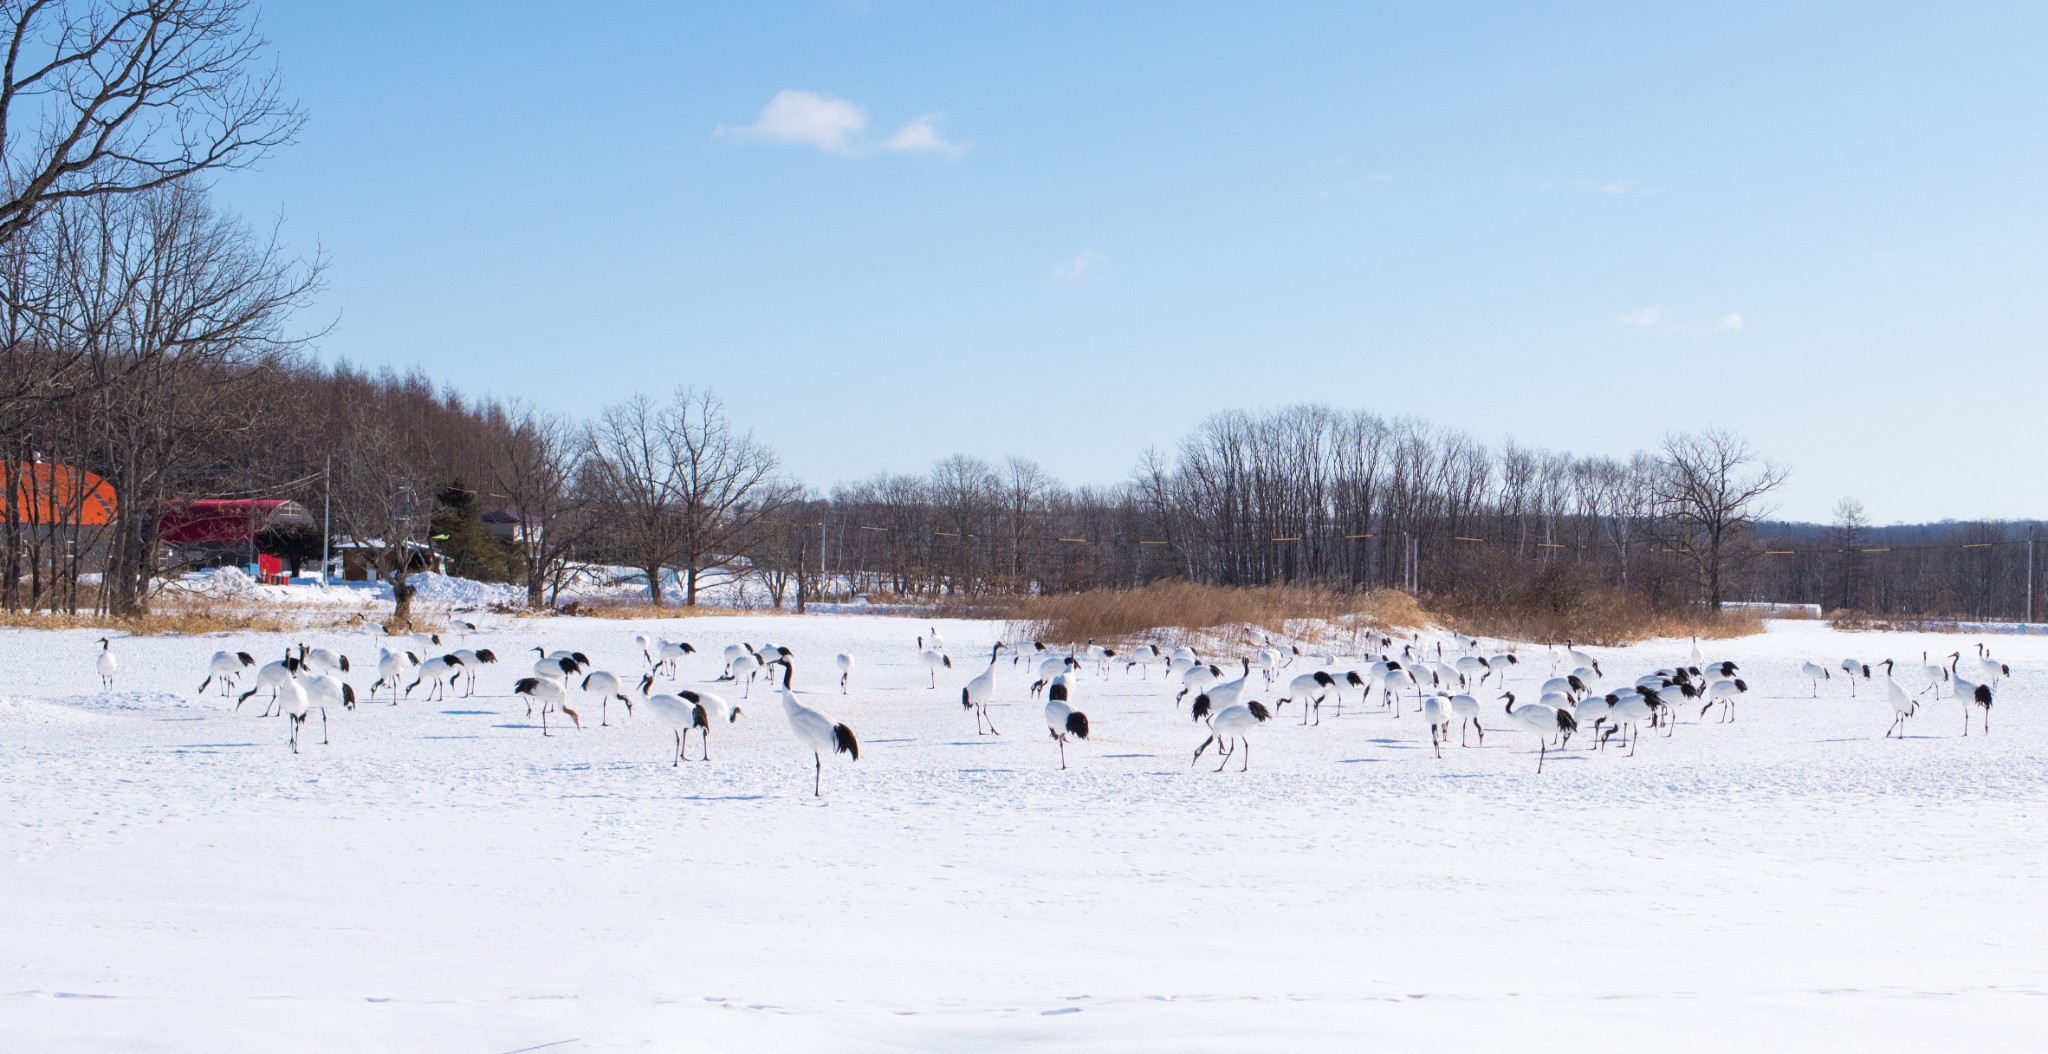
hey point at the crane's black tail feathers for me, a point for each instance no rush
(1077, 724)
(844, 743)
(1201, 707)
(966, 701)
(1259, 711)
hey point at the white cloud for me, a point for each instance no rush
(802, 118)
(921, 136)
(1077, 270)
(837, 126)
(1646, 317)
(1730, 323)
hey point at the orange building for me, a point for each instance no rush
(54, 495)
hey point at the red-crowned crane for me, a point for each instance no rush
(1227, 725)
(1061, 719)
(1540, 721)
(979, 691)
(815, 730)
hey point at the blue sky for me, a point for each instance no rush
(888, 232)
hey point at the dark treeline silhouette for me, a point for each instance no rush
(1299, 495)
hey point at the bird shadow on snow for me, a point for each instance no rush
(209, 746)
(872, 742)
(1108, 756)
(472, 713)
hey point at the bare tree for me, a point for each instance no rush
(384, 482)
(106, 97)
(1847, 535)
(783, 551)
(1711, 488)
(174, 307)
(536, 467)
(631, 476)
(723, 482)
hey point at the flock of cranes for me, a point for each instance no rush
(1444, 681)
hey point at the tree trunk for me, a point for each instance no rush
(401, 600)
(690, 585)
(654, 585)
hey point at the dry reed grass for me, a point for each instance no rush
(1606, 619)
(1867, 622)
(1180, 610)
(180, 620)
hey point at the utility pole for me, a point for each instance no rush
(326, 516)
(2030, 574)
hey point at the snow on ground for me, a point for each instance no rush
(442, 877)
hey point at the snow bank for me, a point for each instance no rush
(433, 588)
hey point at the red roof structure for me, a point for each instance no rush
(229, 520)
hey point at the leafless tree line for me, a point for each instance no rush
(1975, 569)
(1317, 495)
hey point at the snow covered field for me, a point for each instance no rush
(442, 878)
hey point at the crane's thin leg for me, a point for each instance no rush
(1542, 749)
(817, 774)
(704, 740)
(1247, 764)
(677, 763)
(323, 726)
(991, 722)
